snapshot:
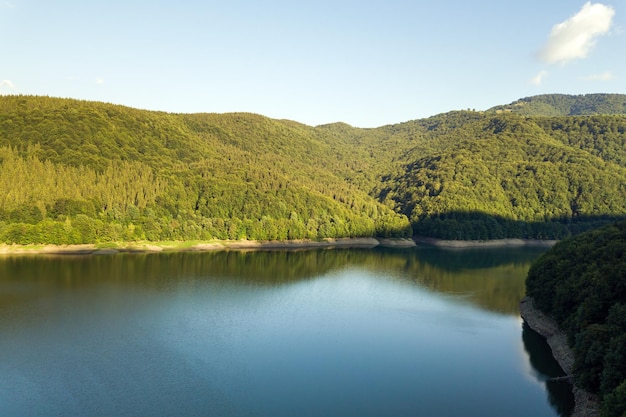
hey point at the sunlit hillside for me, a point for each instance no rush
(76, 171)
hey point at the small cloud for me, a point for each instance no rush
(575, 37)
(100, 81)
(538, 79)
(605, 76)
(6, 85)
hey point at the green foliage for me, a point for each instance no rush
(102, 173)
(567, 105)
(581, 283)
(614, 402)
(602, 136)
(151, 175)
(485, 176)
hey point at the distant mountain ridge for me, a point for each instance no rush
(75, 171)
(566, 105)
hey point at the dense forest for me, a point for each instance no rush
(567, 105)
(484, 176)
(580, 282)
(76, 171)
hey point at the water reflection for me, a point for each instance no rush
(545, 367)
(491, 279)
(318, 332)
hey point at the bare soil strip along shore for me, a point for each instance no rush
(496, 243)
(364, 242)
(298, 244)
(397, 242)
(586, 404)
(46, 249)
(147, 247)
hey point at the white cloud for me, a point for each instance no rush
(6, 85)
(100, 81)
(605, 76)
(538, 79)
(575, 37)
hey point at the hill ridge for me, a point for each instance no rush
(78, 171)
(566, 105)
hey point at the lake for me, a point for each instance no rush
(345, 332)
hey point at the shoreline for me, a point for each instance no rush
(299, 244)
(495, 243)
(585, 403)
(155, 247)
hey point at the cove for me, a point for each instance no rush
(345, 332)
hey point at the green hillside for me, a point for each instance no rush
(580, 282)
(566, 105)
(480, 176)
(76, 171)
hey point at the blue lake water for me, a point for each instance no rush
(415, 332)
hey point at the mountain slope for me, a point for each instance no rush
(566, 105)
(482, 176)
(75, 171)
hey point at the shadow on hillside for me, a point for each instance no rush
(466, 225)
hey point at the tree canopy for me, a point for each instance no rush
(581, 283)
(75, 171)
(480, 175)
(566, 105)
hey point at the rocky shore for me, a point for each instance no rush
(586, 404)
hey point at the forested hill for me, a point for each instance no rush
(480, 176)
(567, 105)
(580, 282)
(76, 171)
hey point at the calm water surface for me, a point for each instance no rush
(418, 332)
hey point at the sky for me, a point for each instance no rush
(365, 63)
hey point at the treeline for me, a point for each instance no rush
(149, 175)
(481, 226)
(53, 203)
(580, 282)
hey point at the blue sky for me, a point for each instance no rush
(366, 63)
